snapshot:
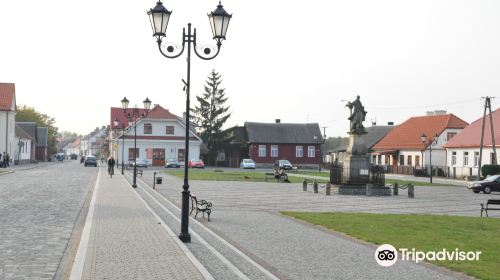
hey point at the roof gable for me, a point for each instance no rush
(29, 127)
(43, 136)
(157, 112)
(471, 135)
(283, 133)
(7, 97)
(408, 134)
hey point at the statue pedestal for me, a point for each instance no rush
(356, 168)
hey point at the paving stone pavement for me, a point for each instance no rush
(38, 209)
(249, 215)
(127, 242)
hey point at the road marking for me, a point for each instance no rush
(204, 272)
(243, 255)
(81, 254)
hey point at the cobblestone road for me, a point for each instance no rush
(248, 215)
(38, 210)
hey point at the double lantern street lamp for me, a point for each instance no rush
(432, 142)
(116, 122)
(219, 21)
(133, 115)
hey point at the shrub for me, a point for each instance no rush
(490, 169)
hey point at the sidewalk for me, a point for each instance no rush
(125, 241)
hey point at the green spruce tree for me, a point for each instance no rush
(211, 114)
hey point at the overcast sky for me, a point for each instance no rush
(293, 60)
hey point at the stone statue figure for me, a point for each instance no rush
(357, 116)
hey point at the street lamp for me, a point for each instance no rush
(134, 114)
(432, 142)
(116, 122)
(159, 17)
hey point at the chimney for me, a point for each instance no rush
(390, 123)
(278, 120)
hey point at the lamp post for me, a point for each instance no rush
(432, 142)
(116, 122)
(134, 114)
(219, 21)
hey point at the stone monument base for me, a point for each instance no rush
(364, 190)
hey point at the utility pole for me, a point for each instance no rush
(487, 105)
(324, 132)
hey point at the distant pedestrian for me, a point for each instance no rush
(111, 166)
(7, 160)
(1, 161)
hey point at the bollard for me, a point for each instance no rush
(328, 188)
(411, 193)
(396, 189)
(315, 186)
(304, 185)
(369, 189)
(154, 179)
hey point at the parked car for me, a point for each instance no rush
(74, 156)
(247, 163)
(141, 162)
(283, 164)
(196, 163)
(488, 185)
(90, 161)
(172, 162)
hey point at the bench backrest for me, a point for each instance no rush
(493, 201)
(193, 199)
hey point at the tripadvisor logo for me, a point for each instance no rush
(386, 255)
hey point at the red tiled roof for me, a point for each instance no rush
(7, 96)
(408, 134)
(471, 135)
(157, 112)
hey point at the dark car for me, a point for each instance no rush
(172, 163)
(74, 156)
(141, 162)
(488, 185)
(283, 164)
(90, 161)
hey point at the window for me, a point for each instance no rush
(148, 128)
(401, 160)
(311, 151)
(274, 150)
(374, 159)
(131, 153)
(262, 150)
(387, 159)
(299, 151)
(476, 158)
(417, 160)
(450, 135)
(453, 158)
(466, 158)
(169, 129)
(409, 160)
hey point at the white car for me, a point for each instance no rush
(247, 163)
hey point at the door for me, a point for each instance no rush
(158, 157)
(181, 155)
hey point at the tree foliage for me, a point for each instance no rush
(211, 114)
(335, 142)
(29, 114)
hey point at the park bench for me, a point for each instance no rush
(488, 207)
(202, 206)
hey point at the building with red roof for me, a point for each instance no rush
(8, 119)
(160, 136)
(463, 150)
(403, 146)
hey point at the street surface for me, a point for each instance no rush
(38, 210)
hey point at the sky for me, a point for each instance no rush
(290, 60)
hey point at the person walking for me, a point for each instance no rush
(7, 160)
(111, 166)
(1, 161)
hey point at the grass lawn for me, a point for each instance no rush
(424, 233)
(244, 176)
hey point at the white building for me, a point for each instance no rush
(403, 151)
(160, 136)
(24, 148)
(8, 142)
(463, 151)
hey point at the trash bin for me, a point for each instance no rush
(159, 180)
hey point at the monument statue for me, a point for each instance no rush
(357, 116)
